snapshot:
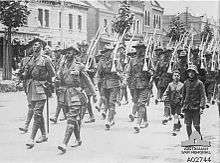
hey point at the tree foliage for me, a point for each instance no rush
(207, 32)
(176, 28)
(124, 18)
(13, 14)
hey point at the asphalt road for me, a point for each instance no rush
(119, 145)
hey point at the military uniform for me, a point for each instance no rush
(110, 85)
(30, 113)
(73, 81)
(56, 63)
(38, 72)
(139, 82)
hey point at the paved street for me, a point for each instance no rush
(120, 145)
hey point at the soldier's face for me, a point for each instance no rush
(69, 55)
(191, 74)
(176, 76)
(37, 47)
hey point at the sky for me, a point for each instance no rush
(196, 7)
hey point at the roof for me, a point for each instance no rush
(99, 5)
(77, 2)
(156, 4)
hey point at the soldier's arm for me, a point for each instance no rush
(202, 95)
(50, 68)
(87, 82)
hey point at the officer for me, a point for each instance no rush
(140, 82)
(38, 72)
(110, 84)
(73, 80)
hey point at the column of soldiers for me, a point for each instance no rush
(75, 86)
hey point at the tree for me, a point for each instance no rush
(124, 18)
(207, 32)
(176, 28)
(13, 14)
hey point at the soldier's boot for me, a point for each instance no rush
(68, 133)
(30, 144)
(175, 125)
(134, 110)
(103, 114)
(43, 138)
(110, 119)
(77, 134)
(28, 120)
(91, 118)
(145, 120)
(54, 120)
(141, 112)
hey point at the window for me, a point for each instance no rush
(40, 16)
(60, 20)
(148, 23)
(154, 21)
(138, 26)
(79, 22)
(147, 18)
(46, 18)
(70, 21)
(159, 22)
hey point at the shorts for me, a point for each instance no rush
(192, 116)
(175, 109)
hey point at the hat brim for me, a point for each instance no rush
(139, 46)
(131, 54)
(159, 49)
(192, 70)
(64, 51)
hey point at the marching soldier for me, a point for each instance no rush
(72, 80)
(56, 63)
(110, 85)
(194, 100)
(24, 63)
(140, 82)
(38, 72)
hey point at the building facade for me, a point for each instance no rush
(56, 22)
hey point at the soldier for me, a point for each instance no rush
(194, 100)
(38, 72)
(56, 63)
(73, 80)
(110, 85)
(123, 92)
(24, 63)
(174, 95)
(164, 79)
(139, 80)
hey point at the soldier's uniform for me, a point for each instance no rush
(73, 81)
(56, 63)
(110, 85)
(38, 72)
(139, 81)
(30, 113)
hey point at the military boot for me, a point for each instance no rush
(27, 122)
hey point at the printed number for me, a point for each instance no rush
(199, 159)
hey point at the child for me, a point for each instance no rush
(174, 97)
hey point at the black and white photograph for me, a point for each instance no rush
(115, 81)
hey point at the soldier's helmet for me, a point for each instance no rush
(74, 51)
(159, 49)
(193, 67)
(140, 45)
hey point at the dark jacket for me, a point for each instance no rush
(193, 94)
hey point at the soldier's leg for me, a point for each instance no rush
(134, 107)
(38, 120)
(188, 122)
(57, 113)
(126, 94)
(113, 94)
(196, 121)
(89, 107)
(105, 96)
(28, 118)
